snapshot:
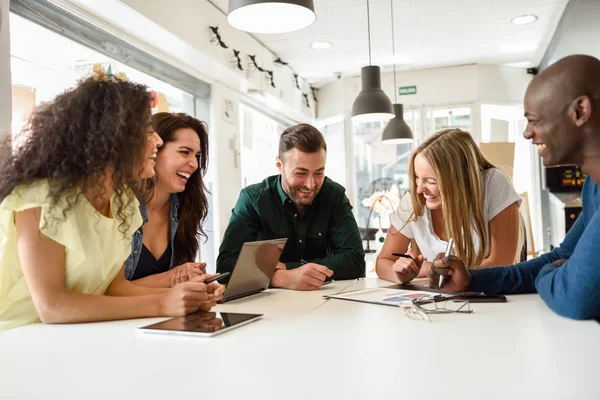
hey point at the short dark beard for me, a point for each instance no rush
(289, 191)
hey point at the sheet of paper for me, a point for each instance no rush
(386, 296)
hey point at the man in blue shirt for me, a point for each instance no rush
(560, 107)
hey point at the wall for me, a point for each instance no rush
(577, 32)
(228, 175)
(464, 84)
(180, 30)
(439, 86)
(5, 81)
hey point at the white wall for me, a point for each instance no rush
(467, 84)
(577, 32)
(228, 175)
(189, 20)
(501, 84)
(5, 85)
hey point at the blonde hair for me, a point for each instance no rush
(458, 164)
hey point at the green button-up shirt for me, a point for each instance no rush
(326, 233)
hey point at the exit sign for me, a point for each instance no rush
(403, 90)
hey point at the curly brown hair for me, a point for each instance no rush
(73, 140)
(193, 203)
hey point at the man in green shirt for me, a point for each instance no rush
(306, 207)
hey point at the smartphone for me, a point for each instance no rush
(217, 277)
(482, 298)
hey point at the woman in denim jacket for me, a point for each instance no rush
(164, 248)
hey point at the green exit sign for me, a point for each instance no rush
(403, 90)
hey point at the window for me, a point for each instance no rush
(506, 123)
(335, 137)
(259, 145)
(445, 118)
(380, 169)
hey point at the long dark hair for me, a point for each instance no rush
(193, 204)
(73, 140)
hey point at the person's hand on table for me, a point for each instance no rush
(456, 276)
(185, 272)
(215, 292)
(184, 298)
(407, 269)
(309, 276)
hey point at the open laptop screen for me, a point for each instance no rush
(254, 268)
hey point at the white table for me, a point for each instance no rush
(308, 348)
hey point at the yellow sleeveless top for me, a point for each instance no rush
(95, 249)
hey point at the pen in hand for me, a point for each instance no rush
(402, 255)
(327, 278)
(447, 254)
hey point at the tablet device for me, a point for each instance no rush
(254, 268)
(201, 323)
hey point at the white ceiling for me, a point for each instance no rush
(428, 33)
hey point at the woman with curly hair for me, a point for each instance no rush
(68, 212)
(164, 249)
(454, 193)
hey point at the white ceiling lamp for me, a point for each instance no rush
(397, 130)
(267, 16)
(524, 19)
(371, 104)
(320, 45)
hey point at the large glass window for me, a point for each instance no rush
(506, 123)
(381, 176)
(259, 145)
(43, 64)
(335, 137)
(445, 118)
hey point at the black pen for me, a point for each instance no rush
(402, 255)
(217, 277)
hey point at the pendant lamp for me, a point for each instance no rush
(397, 130)
(372, 104)
(268, 16)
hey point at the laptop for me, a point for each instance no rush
(254, 268)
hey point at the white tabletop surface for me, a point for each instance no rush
(306, 347)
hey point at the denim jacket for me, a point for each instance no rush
(138, 236)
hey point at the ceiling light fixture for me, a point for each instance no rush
(268, 16)
(320, 45)
(524, 19)
(371, 104)
(397, 130)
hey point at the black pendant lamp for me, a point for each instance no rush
(397, 130)
(268, 16)
(372, 104)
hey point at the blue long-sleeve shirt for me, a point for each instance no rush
(571, 290)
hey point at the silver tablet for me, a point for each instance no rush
(201, 324)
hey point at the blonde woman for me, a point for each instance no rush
(455, 193)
